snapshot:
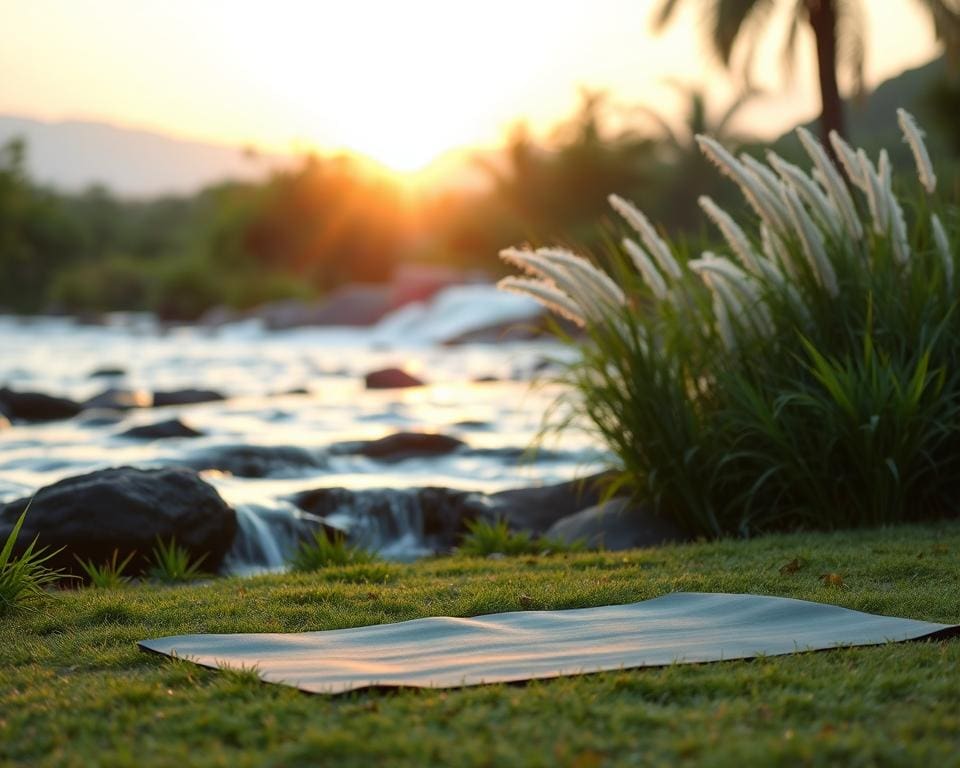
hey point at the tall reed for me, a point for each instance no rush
(803, 374)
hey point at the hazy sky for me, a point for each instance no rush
(399, 81)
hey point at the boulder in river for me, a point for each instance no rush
(379, 517)
(161, 430)
(403, 445)
(391, 378)
(108, 372)
(120, 399)
(616, 524)
(257, 460)
(127, 510)
(36, 406)
(536, 509)
(186, 397)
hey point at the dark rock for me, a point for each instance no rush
(446, 513)
(536, 509)
(616, 525)
(529, 329)
(297, 391)
(357, 304)
(219, 315)
(125, 509)
(421, 282)
(486, 379)
(514, 454)
(391, 378)
(325, 501)
(473, 424)
(35, 406)
(107, 373)
(161, 430)
(257, 460)
(440, 515)
(514, 330)
(186, 397)
(403, 445)
(119, 399)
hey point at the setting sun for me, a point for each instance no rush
(398, 83)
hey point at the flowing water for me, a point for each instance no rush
(478, 393)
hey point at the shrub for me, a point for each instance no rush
(173, 563)
(806, 377)
(24, 580)
(323, 551)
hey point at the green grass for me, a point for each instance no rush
(109, 575)
(485, 538)
(323, 551)
(23, 578)
(173, 564)
(74, 689)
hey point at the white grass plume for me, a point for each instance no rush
(822, 207)
(536, 263)
(849, 160)
(763, 203)
(876, 195)
(732, 232)
(832, 181)
(648, 234)
(550, 297)
(605, 289)
(811, 242)
(647, 269)
(943, 250)
(746, 298)
(914, 137)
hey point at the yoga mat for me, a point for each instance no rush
(444, 652)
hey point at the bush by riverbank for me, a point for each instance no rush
(76, 691)
(804, 377)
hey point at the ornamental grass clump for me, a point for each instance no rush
(804, 374)
(25, 580)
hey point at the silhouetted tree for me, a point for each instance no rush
(837, 27)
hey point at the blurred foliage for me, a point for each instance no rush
(306, 230)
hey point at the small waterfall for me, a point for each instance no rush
(388, 522)
(398, 525)
(267, 536)
(452, 312)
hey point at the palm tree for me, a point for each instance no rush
(836, 25)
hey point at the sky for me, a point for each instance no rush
(401, 82)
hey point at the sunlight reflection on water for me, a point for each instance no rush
(496, 419)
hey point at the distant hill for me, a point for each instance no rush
(872, 120)
(72, 155)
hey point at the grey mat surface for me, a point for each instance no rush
(442, 652)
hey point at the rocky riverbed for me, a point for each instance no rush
(238, 441)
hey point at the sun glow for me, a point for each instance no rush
(399, 83)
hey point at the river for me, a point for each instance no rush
(302, 388)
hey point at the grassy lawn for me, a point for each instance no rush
(74, 689)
